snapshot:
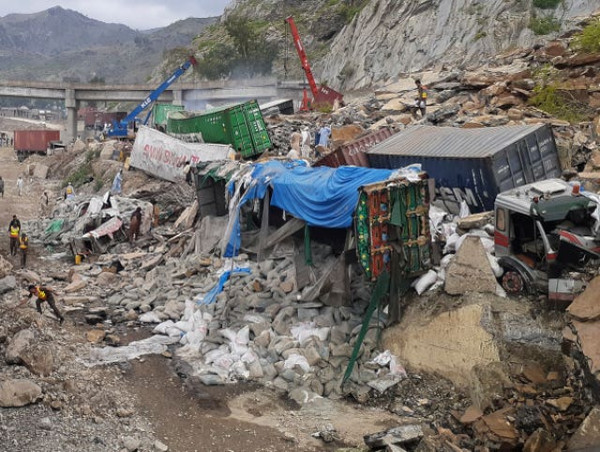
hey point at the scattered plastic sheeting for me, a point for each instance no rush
(464, 210)
(151, 346)
(211, 296)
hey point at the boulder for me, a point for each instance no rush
(17, 346)
(587, 436)
(470, 270)
(586, 307)
(40, 171)
(95, 336)
(39, 359)
(346, 133)
(7, 284)
(17, 393)
(5, 267)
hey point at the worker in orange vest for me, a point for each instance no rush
(45, 294)
(23, 245)
(14, 231)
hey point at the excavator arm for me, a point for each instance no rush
(119, 129)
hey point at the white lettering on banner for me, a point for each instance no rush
(166, 157)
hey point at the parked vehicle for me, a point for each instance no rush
(472, 165)
(542, 231)
(34, 141)
(241, 125)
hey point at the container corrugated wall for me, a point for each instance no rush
(34, 140)
(353, 153)
(480, 175)
(241, 126)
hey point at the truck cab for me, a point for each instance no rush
(542, 231)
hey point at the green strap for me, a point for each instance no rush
(307, 248)
(381, 289)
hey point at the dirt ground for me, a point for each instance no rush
(184, 415)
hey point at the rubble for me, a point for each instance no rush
(17, 393)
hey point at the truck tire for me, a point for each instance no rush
(513, 282)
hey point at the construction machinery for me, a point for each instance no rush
(544, 232)
(120, 128)
(322, 96)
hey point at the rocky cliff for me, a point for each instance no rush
(390, 37)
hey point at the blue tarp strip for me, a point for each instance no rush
(211, 295)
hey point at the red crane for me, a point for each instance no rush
(322, 95)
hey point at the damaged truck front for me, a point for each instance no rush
(543, 231)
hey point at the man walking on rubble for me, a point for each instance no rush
(2, 186)
(23, 245)
(44, 294)
(14, 231)
(421, 99)
(19, 185)
(135, 223)
(44, 203)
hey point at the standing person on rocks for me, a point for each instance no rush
(47, 295)
(44, 204)
(117, 183)
(305, 149)
(421, 99)
(2, 186)
(14, 230)
(19, 185)
(23, 245)
(135, 223)
(69, 192)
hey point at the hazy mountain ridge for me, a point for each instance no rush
(63, 45)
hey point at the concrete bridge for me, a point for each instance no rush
(180, 93)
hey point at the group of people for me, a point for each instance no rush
(300, 147)
(19, 242)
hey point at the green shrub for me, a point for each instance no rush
(544, 25)
(546, 4)
(589, 39)
(556, 103)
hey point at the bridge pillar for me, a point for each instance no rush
(177, 97)
(71, 106)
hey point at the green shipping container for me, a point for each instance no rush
(160, 113)
(241, 125)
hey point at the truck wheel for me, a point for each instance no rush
(513, 282)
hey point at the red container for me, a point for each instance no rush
(35, 140)
(353, 153)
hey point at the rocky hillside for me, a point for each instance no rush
(63, 45)
(389, 37)
(353, 44)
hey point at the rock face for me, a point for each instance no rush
(389, 37)
(470, 270)
(16, 393)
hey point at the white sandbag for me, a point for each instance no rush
(296, 360)
(445, 261)
(302, 332)
(425, 281)
(451, 243)
(149, 317)
(161, 328)
(239, 370)
(496, 268)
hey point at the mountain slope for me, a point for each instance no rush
(63, 45)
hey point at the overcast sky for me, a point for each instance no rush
(137, 14)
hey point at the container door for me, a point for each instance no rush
(526, 163)
(239, 132)
(257, 128)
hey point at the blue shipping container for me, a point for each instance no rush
(473, 165)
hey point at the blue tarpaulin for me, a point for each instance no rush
(321, 196)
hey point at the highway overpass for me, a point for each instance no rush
(180, 93)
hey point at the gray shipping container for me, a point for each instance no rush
(472, 164)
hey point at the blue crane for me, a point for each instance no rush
(119, 128)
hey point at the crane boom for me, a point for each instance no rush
(321, 94)
(119, 129)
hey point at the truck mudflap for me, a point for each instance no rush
(563, 290)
